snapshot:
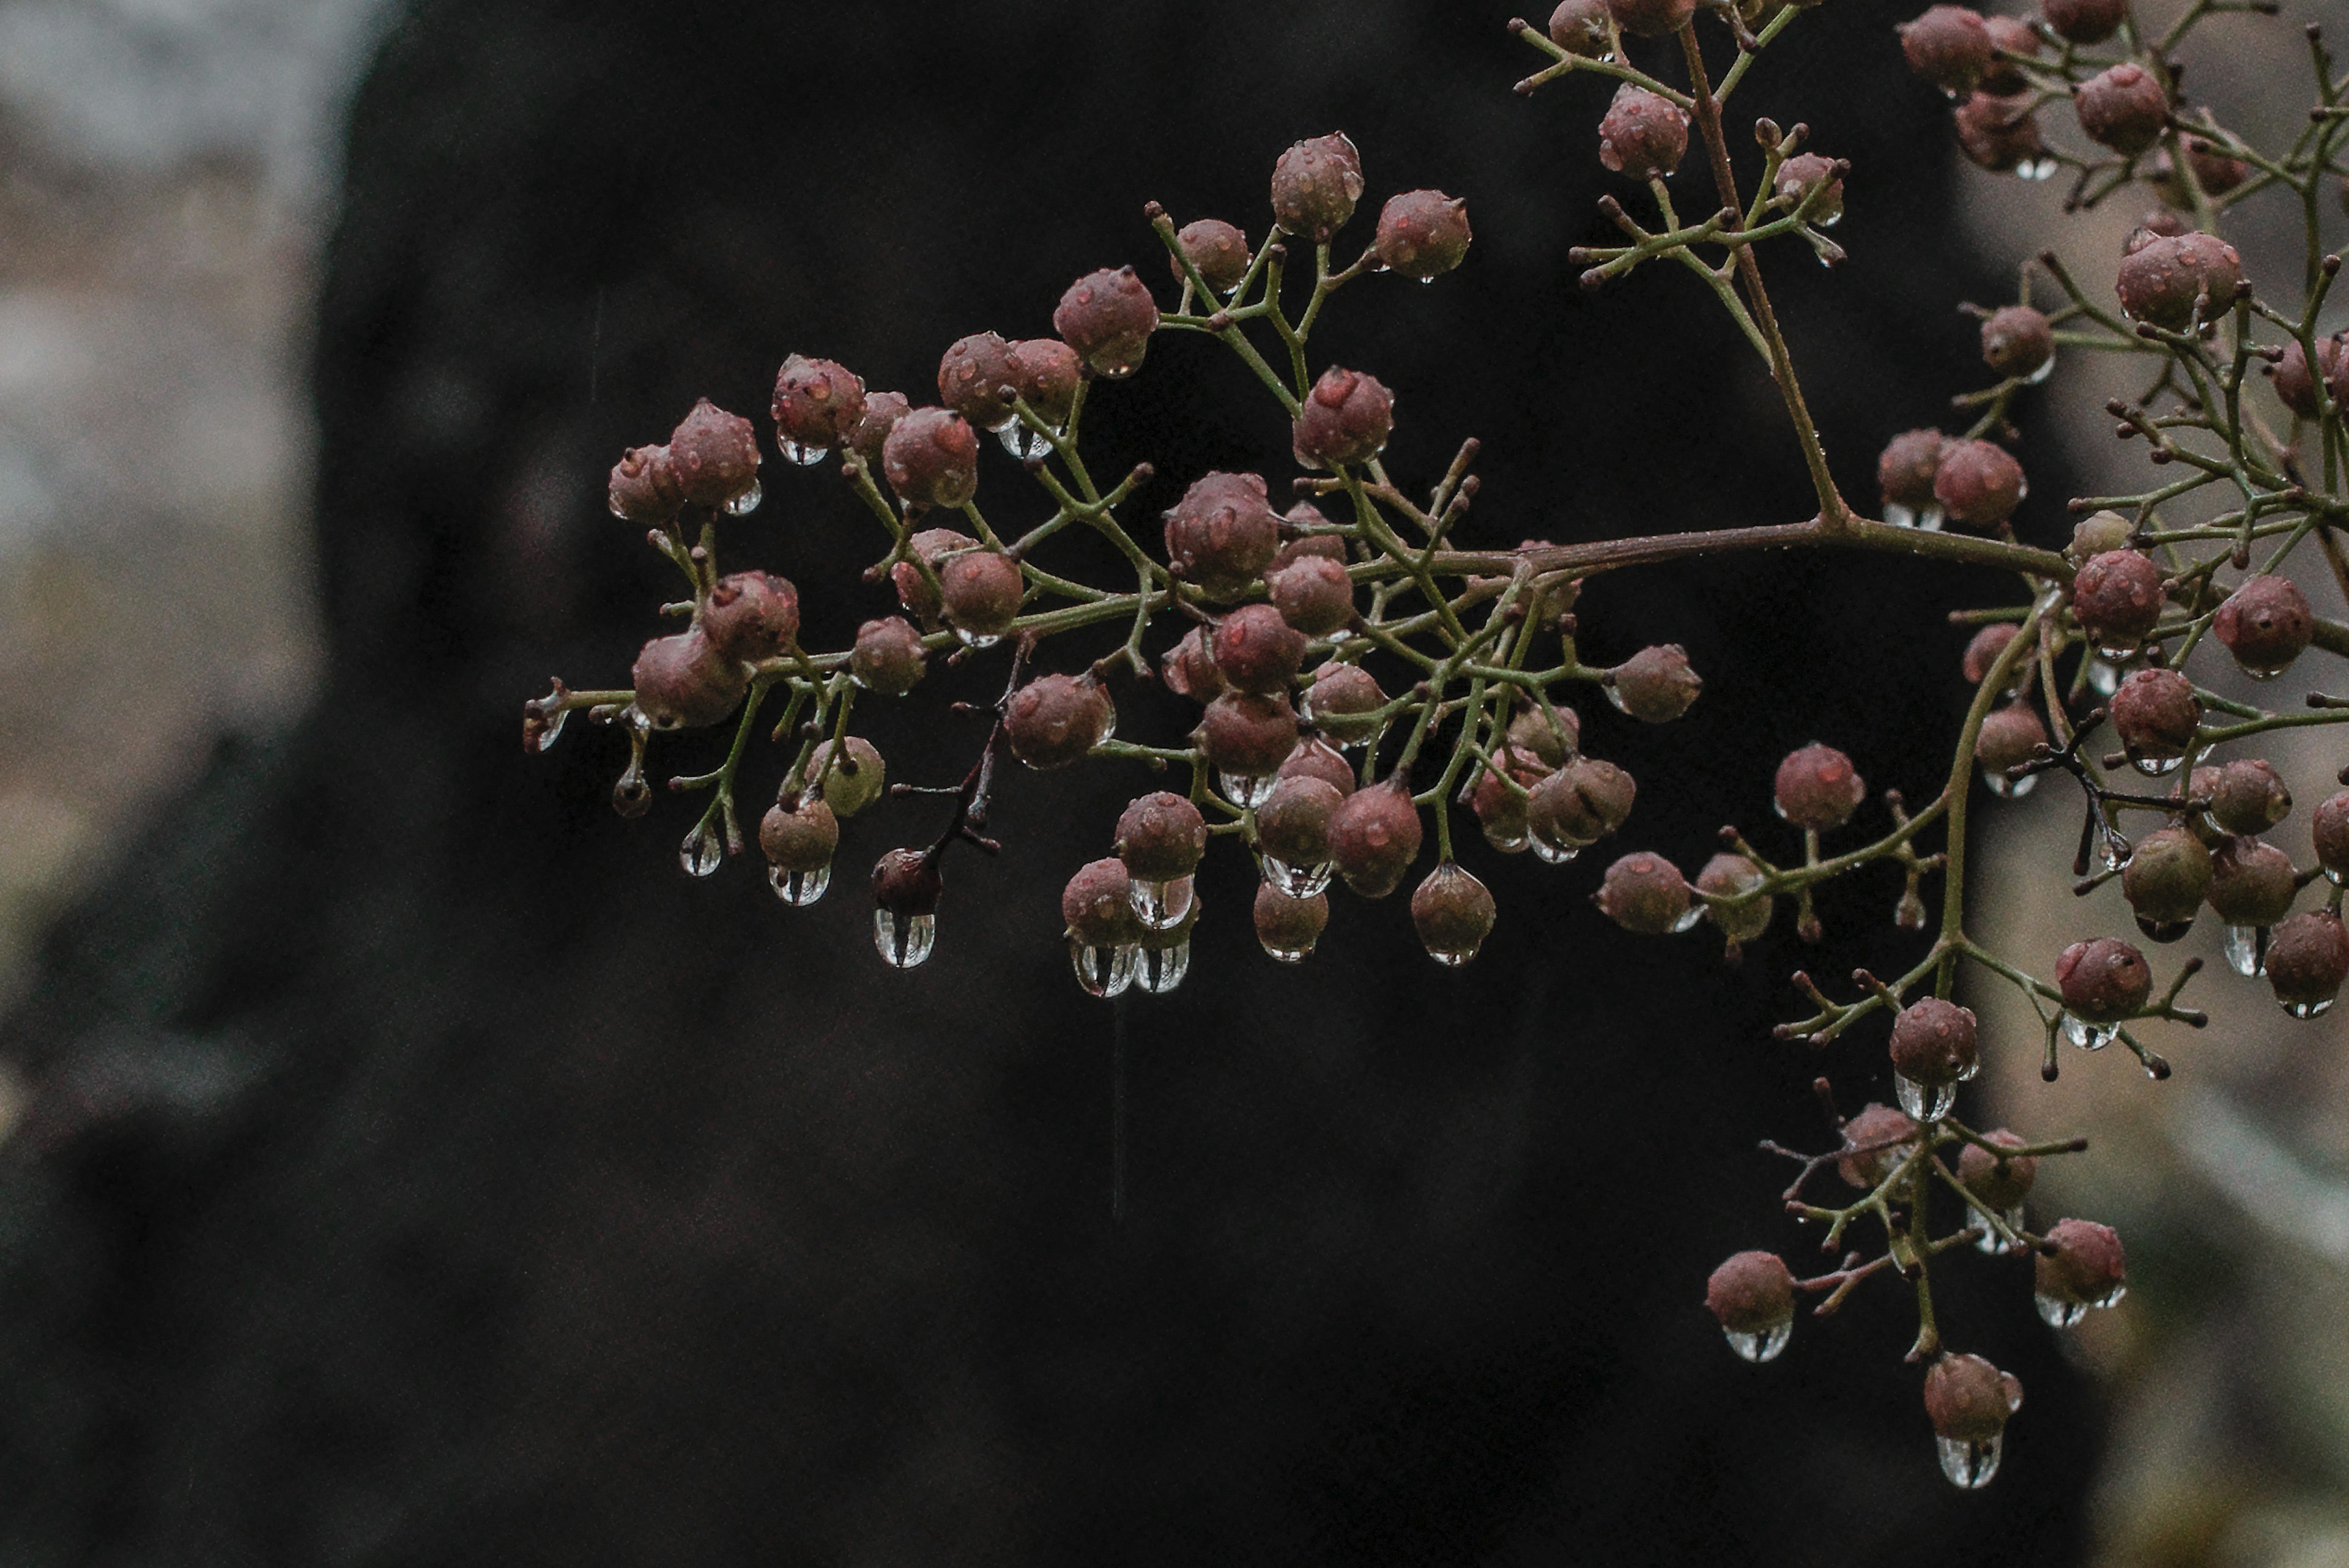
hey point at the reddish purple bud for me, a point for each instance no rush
(2103, 981)
(2010, 36)
(1189, 668)
(1655, 685)
(1651, 18)
(1097, 905)
(685, 682)
(645, 487)
(1727, 876)
(1875, 1124)
(1982, 653)
(715, 454)
(1805, 172)
(871, 436)
(2017, 340)
(1222, 533)
(1581, 804)
(971, 377)
(1643, 135)
(2265, 624)
(1817, 788)
(1751, 1293)
(1978, 484)
(1968, 1399)
(2000, 1181)
(751, 615)
(931, 545)
(888, 657)
(931, 458)
(1999, 132)
(1319, 760)
(2308, 959)
(799, 836)
(1258, 651)
(2118, 598)
(1422, 234)
(1905, 472)
(1292, 823)
(2251, 883)
(1933, 1042)
(1315, 185)
(980, 592)
(1312, 594)
(1218, 249)
(2173, 282)
(1579, 28)
(2085, 1265)
(2249, 796)
(1161, 836)
(2122, 106)
(2157, 715)
(2293, 382)
(1346, 419)
(818, 403)
(1374, 835)
(1645, 893)
(1107, 317)
(1949, 46)
(1054, 720)
(2084, 21)
(1046, 373)
(2330, 828)
(1289, 926)
(1247, 735)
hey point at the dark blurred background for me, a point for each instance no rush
(409, 1164)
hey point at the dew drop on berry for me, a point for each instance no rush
(1247, 791)
(2007, 788)
(1554, 851)
(907, 943)
(2089, 1037)
(1925, 1102)
(976, 641)
(2103, 675)
(1159, 906)
(2247, 950)
(747, 502)
(1286, 955)
(1996, 1245)
(702, 853)
(799, 888)
(1299, 881)
(1161, 970)
(805, 456)
(1103, 971)
(2307, 1010)
(1970, 1464)
(1764, 1346)
(1022, 442)
(2155, 767)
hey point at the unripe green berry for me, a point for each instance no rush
(2097, 534)
(852, 782)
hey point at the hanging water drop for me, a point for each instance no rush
(1102, 972)
(2103, 675)
(747, 502)
(1689, 919)
(2247, 950)
(1161, 970)
(1925, 1102)
(2089, 1037)
(1247, 791)
(1970, 1464)
(1995, 1244)
(2307, 1010)
(1506, 841)
(703, 851)
(1764, 1346)
(2163, 930)
(799, 888)
(539, 730)
(1022, 442)
(976, 641)
(2035, 170)
(1299, 881)
(805, 456)
(1554, 851)
(2155, 767)
(1159, 906)
(2059, 1313)
(2046, 368)
(2007, 788)
(907, 943)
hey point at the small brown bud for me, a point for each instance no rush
(2292, 381)
(751, 615)
(1374, 835)
(2330, 828)
(1097, 905)
(931, 545)
(2157, 715)
(1751, 1293)
(2103, 981)
(1289, 926)
(715, 454)
(1223, 533)
(1046, 373)
(871, 436)
(1643, 135)
(1534, 733)
(1978, 484)
(1655, 685)
(1933, 1043)
(1968, 1399)
(645, 487)
(1107, 317)
(1292, 823)
(2086, 1266)
(2265, 624)
(1948, 46)
(685, 682)
(1189, 668)
(1579, 28)
(1806, 172)
(931, 458)
(888, 657)
(2017, 341)
(1422, 234)
(1581, 804)
(2010, 36)
(1904, 473)
(971, 377)
(1346, 419)
(1218, 249)
(2122, 106)
(1645, 893)
(1999, 133)
(1982, 653)
(2118, 598)
(907, 885)
(1161, 836)
(1726, 876)
(1312, 594)
(2308, 959)
(1454, 913)
(2000, 1183)
(1817, 788)
(2175, 282)
(2249, 796)
(1316, 759)
(1876, 1124)
(1315, 185)
(1247, 735)
(1651, 18)
(979, 592)
(817, 405)
(2164, 879)
(1054, 720)
(798, 836)
(2251, 883)
(1258, 651)
(2084, 21)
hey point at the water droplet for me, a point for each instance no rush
(541, 731)
(2163, 930)
(805, 456)
(1508, 843)
(1970, 1464)
(1115, 372)
(1159, 906)
(906, 948)
(1102, 972)
(632, 797)
(1022, 442)
(2006, 788)
(799, 888)
(2046, 368)
(2154, 767)
(1926, 1102)
(1899, 516)
(1615, 695)
(1108, 726)
(747, 502)
(2335, 878)
(1297, 881)
(1161, 970)
(2035, 170)
(1763, 1346)
(2306, 1010)
(1554, 851)
(1687, 923)
(977, 640)
(1247, 791)
(2060, 1313)
(703, 851)
(2263, 671)
(2104, 676)
(2089, 1037)
(1996, 1245)
(2247, 950)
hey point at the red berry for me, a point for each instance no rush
(685, 682)
(2249, 796)
(1107, 317)
(1641, 135)
(871, 436)
(1315, 185)
(2265, 624)
(1644, 893)
(1579, 28)
(1968, 1399)
(931, 458)
(2007, 739)
(1097, 905)
(980, 592)
(2010, 36)
(1806, 172)
(2172, 282)
(888, 657)
(2157, 715)
(1218, 249)
(1651, 18)
(931, 545)
(2164, 879)
(1161, 836)
(2084, 21)
(2001, 1183)
(972, 376)
(1982, 653)
(1727, 876)
(1933, 1042)
(1222, 533)
(2017, 340)
(1978, 484)
(1949, 46)
(2293, 382)
(1289, 926)
(1189, 670)
(1581, 804)
(2085, 1265)
(1046, 373)
(2118, 598)
(2329, 826)
(1751, 1293)
(1655, 685)
(1257, 650)
(1346, 419)
(1292, 823)
(751, 615)
(1817, 788)
(1374, 835)
(818, 403)
(1054, 720)
(2122, 106)
(1873, 1126)
(645, 487)
(2251, 883)
(1904, 473)
(2308, 959)
(1999, 132)
(1422, 234)
(1246, 734)
(1319, 759)
(715, 454)
(2103, 981)
(1312, 594)
(798, 836)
